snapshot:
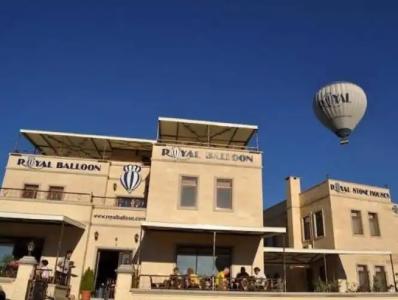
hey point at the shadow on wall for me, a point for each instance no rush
(161, 246)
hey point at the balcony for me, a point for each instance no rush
(30, 193)
(33, 194)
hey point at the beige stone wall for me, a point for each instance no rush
(171, 295)
(342, 204)
(116, 226)
(73, 181)
(7, 284)
(336, 199)
(164, 194)
(350, 263)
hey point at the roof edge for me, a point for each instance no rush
(94, 136)
(202, 122)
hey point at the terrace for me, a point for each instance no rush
(32, 193)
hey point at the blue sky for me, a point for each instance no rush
(113, 67)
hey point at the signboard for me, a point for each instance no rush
(179, 153)
(361, 191)
(33, 162)
(117, 217)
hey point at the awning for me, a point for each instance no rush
(39, 219)
(83, 145)
(274, 255)
(261, 231)
(204, 132)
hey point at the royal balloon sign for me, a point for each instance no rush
(179, 153)
(33, 162)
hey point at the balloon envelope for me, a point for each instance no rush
(340, 106)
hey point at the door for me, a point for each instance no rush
(363, 278)
(108, 260)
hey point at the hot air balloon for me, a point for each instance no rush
(340, 106)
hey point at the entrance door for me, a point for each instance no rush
(107, 263)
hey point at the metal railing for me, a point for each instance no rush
(58, 196)
(35, 194)
(127, 202)
(185, 282)
(170, 142)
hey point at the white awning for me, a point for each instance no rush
(213, 228)
(205, 132)
(83, 145)
(325, 251)
(40, 218)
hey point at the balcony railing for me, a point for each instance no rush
(34, 194)
(183, 282)
(59, 196)
(127, 202)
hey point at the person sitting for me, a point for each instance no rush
(192, 279)
(222, 279)
(260, 279)
(175, 279)
(242, 279)
(242, 273)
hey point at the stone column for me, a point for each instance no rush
(123, 282)
(293, 190)
(25, 271)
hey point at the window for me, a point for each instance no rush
(318, 224)
(356, 220)
(55, 193)
(380, 279)
(307, 228)
(30, 191)
(123, 201)
(200, 259)
(189, 191)
(224, 193)
(363, 278)
(130, 202)
(374, 224)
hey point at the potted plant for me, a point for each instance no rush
(87, 284)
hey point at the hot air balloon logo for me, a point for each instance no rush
(131, 177)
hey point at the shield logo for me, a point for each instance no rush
(131, 177)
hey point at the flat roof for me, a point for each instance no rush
(325, 251)
(295, 256)
(40, 218)
(82, 145)
(213, 228)
(205, 132)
